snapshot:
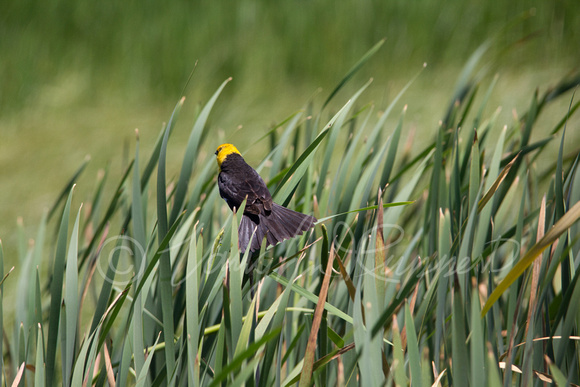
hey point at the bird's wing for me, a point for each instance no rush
(230, 190)
(258, 193)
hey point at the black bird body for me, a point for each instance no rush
(238, 180)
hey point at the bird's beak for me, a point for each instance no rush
(216, 152)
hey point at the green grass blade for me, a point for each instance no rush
(91, 358)
(496, 184)
(139, 248)
(392, 215)
(79, 370)
(569, 322)
(278, 312)
(443, 283)
(106, 289)
(333, 136)
(244, 336)
(464, 258)
(359, 337)
(372, 352)
(364, 185)
(56, 293)
(559, 378)
(36, 261)
(550, 237)
(474, 172)
(435, 201)
(386, 205)
(39, 373)
(109, 318)
(301, 165)
(191, 154)
(163, 247)
(283, 144)
(165, 272)
(402, 294)
(235, 283)
(104, 223)
(68, 187)
(71, 299)
(312, 297)
(478, 374)
(392, 152)
(246, 372)
(353, 70)
(341, 186)
(137, 213)
(398, 364)
(191, 311)
(413, 349)
(237, 362)
(459, 352)
(142, 378)
(92, 218)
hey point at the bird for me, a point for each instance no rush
(237, 180)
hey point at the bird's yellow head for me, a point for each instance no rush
(224, 151)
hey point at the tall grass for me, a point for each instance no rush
(453, 264)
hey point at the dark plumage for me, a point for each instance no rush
(237, 180)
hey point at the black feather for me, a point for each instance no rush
(262, 217)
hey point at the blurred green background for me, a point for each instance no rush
(77, 78)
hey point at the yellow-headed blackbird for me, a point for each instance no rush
(236, 181)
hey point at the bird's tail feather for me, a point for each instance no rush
(281, 224)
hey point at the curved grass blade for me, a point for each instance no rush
(494, 187)
(78, 373)
(68, 187)
(311, 297)
(237, 362)
(301, 165)
(386, 205)
(113, 206)
(244, 336)
(334, 132)
(550, 237)
(353, 70)
(276, 126)
(91, 219)
(162, 249)
(283, 145)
